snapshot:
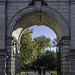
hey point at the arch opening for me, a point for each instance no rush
(37, 18)
(39, 31)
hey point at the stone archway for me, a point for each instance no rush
(30, 16)
(44, 9)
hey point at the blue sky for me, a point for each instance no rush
(43, 30)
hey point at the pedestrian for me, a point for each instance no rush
(44, 70)
(39, 70)
(35, 69)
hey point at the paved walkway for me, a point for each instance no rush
(33, 73)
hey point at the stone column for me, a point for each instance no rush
(17, 58)
(72, 62)
(2, 62)
(65, 48)
(2, 38)
(13, 57)
(8, 53)
(58, 50)
(72, 47)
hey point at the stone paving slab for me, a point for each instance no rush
(33, 73)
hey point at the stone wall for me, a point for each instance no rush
(14, 6)
(2, 24)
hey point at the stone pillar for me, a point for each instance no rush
(2, 62)
(11, 52)
(72, 62)
(65, 48)
(13, 57)
(58, 50)
(8, 53)
(72, 47)
(18, 58)
(2, 38)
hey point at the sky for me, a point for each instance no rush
(44, 30)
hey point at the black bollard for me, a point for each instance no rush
(27, 73)
(51, 73)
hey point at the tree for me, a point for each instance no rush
(52, 59)
(49, 59)
(42, 42)
(33, 50)
(54, 42)
(28, 48)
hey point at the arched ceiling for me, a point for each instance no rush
(37, 18)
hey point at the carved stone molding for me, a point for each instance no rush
(34, 1)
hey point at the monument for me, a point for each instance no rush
(16, 15)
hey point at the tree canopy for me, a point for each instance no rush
(49, 59)
(28, 48)
(42, 42)
(34, 50)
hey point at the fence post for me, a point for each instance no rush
(27, 73)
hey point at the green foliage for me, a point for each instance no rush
(53, 72)
(49, 59)
(54, 42)
(42, 42)
(23, 73)
(28, 48)
(34, 53)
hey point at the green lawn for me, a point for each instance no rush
(54, 72)
(22, 73)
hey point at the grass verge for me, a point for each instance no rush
(22, 73)
(53, 72)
